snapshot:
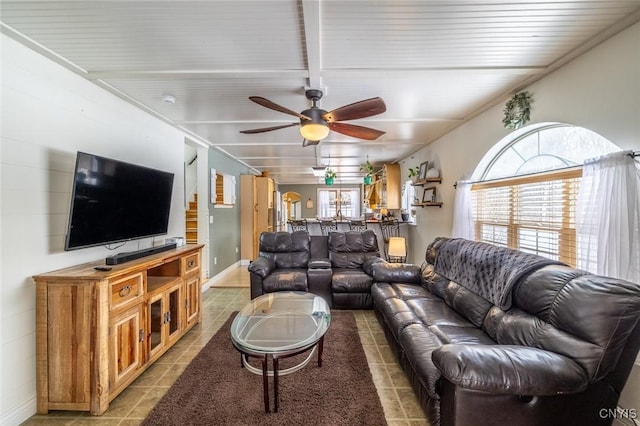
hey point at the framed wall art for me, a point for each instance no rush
(429, 195)
(422, 174)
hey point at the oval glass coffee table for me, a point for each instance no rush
(280, 325)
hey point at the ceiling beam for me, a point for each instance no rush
(311, 16)
(179, 74)
(312, 74)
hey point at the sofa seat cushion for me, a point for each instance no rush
(412, 291)
(397, 314)
(510, 370)
(346, 280)
(381, 291)
(418, 343)
(436, 312)
(461, 335)
(294, 279)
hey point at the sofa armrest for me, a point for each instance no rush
(319, 263)
(368, 264)
(509, 369)
(262, 266)
(385, 272)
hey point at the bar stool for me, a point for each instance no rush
(357, 225)
(298, 225)
(328, 225)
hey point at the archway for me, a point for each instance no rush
(291, 205)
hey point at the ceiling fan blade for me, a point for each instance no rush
(359, 132)
(274, 106)
(360, 109)
(307, 142)
(268, 129)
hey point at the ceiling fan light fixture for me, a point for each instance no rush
(314, 131)
(316, 123)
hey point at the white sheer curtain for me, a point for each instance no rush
(462, 212)
(608, 217)
(324, 204)
(353, 208)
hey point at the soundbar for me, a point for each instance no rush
(119, 258)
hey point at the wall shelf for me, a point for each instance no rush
(438, 204)
(427, 180)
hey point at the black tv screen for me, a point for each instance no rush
(114, 201)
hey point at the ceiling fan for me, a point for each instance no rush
(315, 123)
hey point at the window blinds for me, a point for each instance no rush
(534, 214)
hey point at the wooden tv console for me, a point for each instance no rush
(97, 331)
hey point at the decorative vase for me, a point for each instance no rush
(328, 181)
(368, 179)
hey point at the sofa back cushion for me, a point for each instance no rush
(351, 249)
(586, 317)
(286, 249)
(463, 301)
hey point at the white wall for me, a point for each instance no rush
(49, 113)
(599, 90)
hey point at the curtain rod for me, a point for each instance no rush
(560, 169)
(634, 154)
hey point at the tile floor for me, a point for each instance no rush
(231, 293)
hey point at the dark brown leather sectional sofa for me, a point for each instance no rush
(329, 266)
(548, 345)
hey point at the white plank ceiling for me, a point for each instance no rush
(436, 64)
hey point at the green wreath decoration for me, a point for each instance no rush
(517, 111)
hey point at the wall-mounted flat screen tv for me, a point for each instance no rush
(114, 201)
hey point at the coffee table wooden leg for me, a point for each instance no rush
(320, 347)
(275, 384)
(265, 384)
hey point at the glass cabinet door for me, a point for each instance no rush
(173, 316)
(156, 321)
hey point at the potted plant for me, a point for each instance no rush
(329, 176)
(413, 173)
(367, 168)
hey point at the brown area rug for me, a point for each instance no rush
(215, 390)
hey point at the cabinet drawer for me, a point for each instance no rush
(191, 263)
(125, 290)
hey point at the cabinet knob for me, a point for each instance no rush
(191, 263)
(124, 291)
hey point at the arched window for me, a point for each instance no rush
(526, 189)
